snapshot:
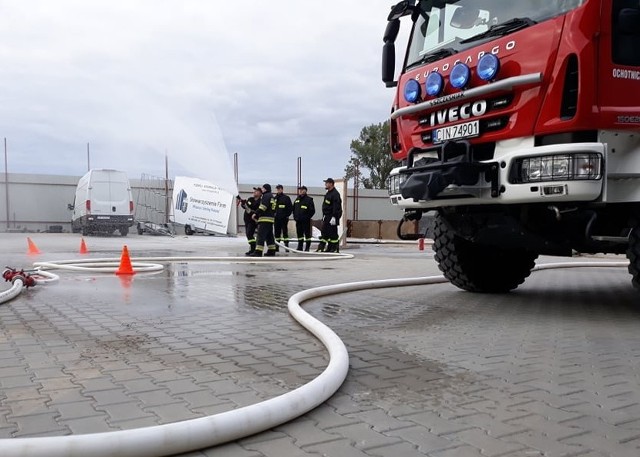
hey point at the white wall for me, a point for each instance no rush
(37, 202)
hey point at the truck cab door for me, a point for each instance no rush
(619, 72)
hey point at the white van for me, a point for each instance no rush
(103, 203)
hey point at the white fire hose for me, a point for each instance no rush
(200, 433)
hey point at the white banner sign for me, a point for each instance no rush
(201, 204)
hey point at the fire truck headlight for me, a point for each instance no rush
(488, 67)
(434, 84)
(561, 167)
(460, 76)
(412, 91)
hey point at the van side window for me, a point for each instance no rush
(625, 32)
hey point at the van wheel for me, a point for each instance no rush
(188, 230)
(479, 268)
(140, 230)
(124, 231)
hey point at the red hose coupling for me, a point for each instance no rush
(11, 275)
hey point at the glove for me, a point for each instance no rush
(332, 221)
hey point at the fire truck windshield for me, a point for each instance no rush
(460, 24)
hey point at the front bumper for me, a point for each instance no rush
(97, 220)
(460, 181)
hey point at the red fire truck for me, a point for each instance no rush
(518, 123)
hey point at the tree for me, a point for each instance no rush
(370, 153)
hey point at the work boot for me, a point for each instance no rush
(331, 247)
(307, 247)
(256, 253)
(271, 253)
(321, 246)
(300, 246)
(250, 251)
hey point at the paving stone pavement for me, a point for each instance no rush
(550, 369)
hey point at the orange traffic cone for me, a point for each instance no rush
(32, 248)
(125, 267)
(83, 247)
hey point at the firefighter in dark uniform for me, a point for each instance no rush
(264, 215)
(283, 211)
(250, 205)
(303, 211)
(331, 213)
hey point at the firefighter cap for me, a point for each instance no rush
(302, 188)
(330, 180)
(257, 188)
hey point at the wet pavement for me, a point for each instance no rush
(550, 369)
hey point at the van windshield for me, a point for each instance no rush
(459, 24)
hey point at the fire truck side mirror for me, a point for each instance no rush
(391, 32)
(389, 53)
(629, 21)
(465, 17)
(404, 8)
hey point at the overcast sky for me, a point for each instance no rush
(197, 79)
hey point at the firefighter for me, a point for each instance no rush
(303, 211)
(264, 216)
(250, 205)
(331, 213)
(283, 211)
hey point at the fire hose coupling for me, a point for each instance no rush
(12, 275)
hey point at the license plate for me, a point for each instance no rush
(455, 132)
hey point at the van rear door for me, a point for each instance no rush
(109, 193)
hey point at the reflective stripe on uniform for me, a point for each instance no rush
(266, 219)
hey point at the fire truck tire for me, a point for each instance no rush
(479, 268)
(633, 254)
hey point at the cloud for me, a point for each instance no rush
(199, 80)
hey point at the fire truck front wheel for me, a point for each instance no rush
(479, 268)
(633, 254)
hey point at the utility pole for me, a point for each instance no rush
(235, 176)
(299, 171)
(235, 167)
(6, 180)
(166, 187)
(356, 192)
(88, 158)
